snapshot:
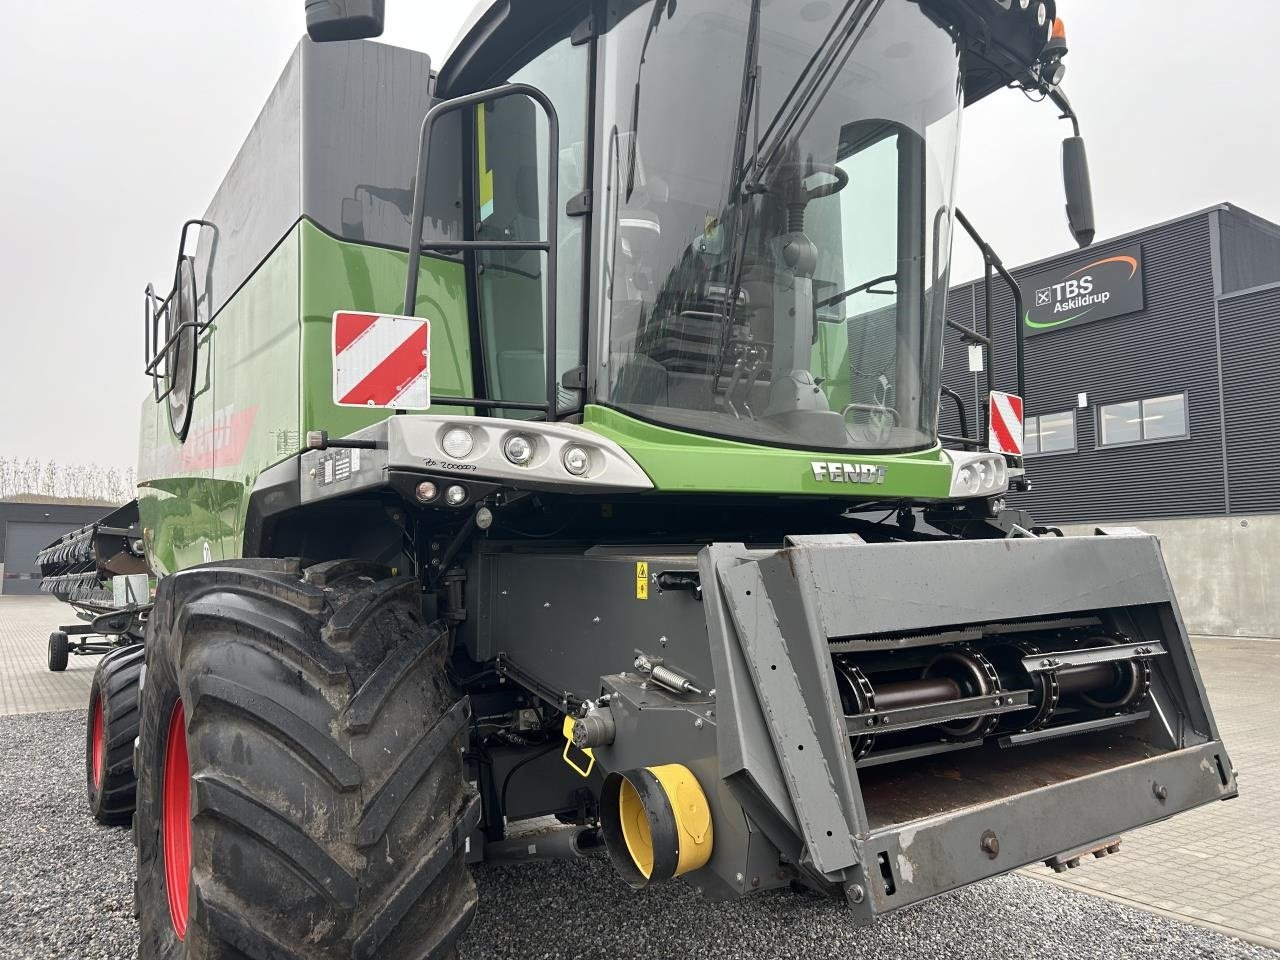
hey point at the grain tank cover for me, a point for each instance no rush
(335, 143)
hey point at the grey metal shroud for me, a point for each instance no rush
(897, 834)
(773, 744)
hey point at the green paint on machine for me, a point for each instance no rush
(257, 401)
(265, 378)
(679, 462)
(339, 275)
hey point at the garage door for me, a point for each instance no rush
(22, 541)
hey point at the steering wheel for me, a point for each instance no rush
(840, 180)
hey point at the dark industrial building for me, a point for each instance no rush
(1152, 371)
(26, 529)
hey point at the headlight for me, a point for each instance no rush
(1002, 472)
(987, 473)
(576, 460)
(519, 450)
(970, 482)
(425, 491)
(458, 443)
(456, 495)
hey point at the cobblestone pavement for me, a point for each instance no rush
(26, 685)
(1219, 865)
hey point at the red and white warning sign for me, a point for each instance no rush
(1004, 415)
(381, 360)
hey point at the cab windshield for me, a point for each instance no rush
(778, 189)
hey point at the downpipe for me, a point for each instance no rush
(564, 843)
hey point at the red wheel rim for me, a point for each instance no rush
(175, 829)
(98, 751)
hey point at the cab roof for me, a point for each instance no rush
(494, 33)
(1002, 41)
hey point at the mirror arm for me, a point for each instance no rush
(1062, 103)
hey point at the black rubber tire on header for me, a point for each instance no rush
(58, 651)
(115, 689)
(328, 808)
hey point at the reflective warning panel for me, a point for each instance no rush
(381, 360)
(1005, 418)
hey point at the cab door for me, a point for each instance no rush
(509, 198)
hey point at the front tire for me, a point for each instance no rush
(308, 718)
(110, 729)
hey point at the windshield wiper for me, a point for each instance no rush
(748, 99)
(844, 295)
(810, 86)
(816, 78)
(733, 203)
(655, 18)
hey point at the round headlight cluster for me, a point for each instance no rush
(982, 476)
(464, 442)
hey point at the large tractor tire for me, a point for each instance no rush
(300, 781)
(110, 731)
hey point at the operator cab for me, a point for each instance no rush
(790, 288)
(756, 205)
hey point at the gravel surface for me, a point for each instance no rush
(66, 890)
(66, 884)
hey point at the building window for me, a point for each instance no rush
(1142, 421)
(1050, 433)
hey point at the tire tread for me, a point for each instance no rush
(334, 669)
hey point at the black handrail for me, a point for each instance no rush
(960, 411)
(154, 308)
(548, 246)
(992, 261)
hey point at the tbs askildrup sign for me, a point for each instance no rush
(1070, 296)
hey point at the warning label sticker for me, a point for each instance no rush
(642, 580)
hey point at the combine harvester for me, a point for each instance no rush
(594, 376)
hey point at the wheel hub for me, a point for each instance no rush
(175, 827)
(99, 749)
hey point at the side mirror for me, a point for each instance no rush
(1075, 181)
(344, 19)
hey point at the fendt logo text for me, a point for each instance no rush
(847, 472)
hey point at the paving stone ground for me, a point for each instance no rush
(1217, 866)
(26, 685)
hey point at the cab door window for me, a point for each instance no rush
(510, 203)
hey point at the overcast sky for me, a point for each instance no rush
(119, 120)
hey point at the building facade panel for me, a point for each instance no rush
(1250, 325)
(1168, 347)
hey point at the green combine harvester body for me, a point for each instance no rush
(267, 381)
(556, 433)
